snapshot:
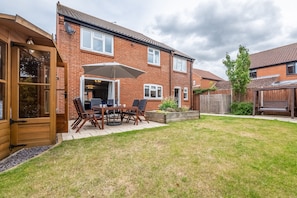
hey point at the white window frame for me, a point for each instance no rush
(292, 65)
(179, 64)
(186, 93)
(156, 56)
(158, 89)
(96, 36)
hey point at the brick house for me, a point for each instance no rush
(274, 67)
(83, 39)
(273, 78)
(204, 79)
(280, 62)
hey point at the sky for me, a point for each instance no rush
(203, 29)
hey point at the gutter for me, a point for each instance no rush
(92, 26)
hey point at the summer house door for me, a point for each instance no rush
(33, 110)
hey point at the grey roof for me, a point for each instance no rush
(88, 20)
(276, 56)
(263, 82)
(271, 81)
(221, 85)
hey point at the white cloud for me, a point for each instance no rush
(204, 29)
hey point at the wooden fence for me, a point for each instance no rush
(219, 101)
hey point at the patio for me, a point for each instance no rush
(89, 130)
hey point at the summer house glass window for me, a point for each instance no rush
(3, 49)
(291, 68)
(179, 64)
(152, 91)
(153, 56)
(96, 41)
(34, 84)
(186, 96)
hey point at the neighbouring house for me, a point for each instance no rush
(29, 62)
(84, 39)
(273, 78)
(203, 79)
(280, 62)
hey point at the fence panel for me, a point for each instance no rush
(215, 103)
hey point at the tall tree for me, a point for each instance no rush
(238, 71)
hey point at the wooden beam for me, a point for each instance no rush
(292, 105)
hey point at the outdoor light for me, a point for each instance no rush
(30, 42)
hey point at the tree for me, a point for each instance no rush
(238, 71)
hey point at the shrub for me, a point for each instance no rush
(183, 109)
(168, 104)
(242, 108)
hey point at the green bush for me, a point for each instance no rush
(242, 108)
(168, 104)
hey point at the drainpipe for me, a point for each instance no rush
(170, 71)
(191, 85)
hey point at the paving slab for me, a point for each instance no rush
(88, 130)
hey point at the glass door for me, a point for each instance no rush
(33, 95)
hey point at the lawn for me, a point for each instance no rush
(210, 157)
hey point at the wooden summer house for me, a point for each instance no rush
(29, 86)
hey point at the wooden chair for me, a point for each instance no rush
(88, 115)
(131, 115)
(128, 114)
(96, 102)
(114, 114)
(79, 117)
(141, 109)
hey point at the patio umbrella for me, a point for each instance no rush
(112, 70)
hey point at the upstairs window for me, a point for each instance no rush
(291, 68)
(253, 73)
(179, 64)
(153, 56)
(153, 91)
(96, 41)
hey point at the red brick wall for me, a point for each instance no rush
(207, 83)
(126, 52)
(274, 70)
(203, 83)
(182, 80)
(197, 80)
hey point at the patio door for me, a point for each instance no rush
(33, 103)
(92, 87)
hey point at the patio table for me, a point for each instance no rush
(116, 108)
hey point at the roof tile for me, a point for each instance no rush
(111, 27)
(274, 56)
(206, 74)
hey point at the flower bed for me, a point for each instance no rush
(166, 117)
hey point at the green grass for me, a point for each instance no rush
(209, 157)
